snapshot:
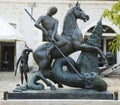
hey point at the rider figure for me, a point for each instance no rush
(23, 60)
(49, 26)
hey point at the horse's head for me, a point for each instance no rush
(79, 13)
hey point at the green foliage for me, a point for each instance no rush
(114, 46)
(114, 16)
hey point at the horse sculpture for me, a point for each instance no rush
(73, 35)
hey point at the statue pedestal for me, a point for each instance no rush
(59, 94)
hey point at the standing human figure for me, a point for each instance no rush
(23, 61)
(49, 25)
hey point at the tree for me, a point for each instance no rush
(114, 16)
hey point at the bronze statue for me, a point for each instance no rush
(73, 38)
(23, 61)
(87, 66)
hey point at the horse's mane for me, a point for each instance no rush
(69, 22)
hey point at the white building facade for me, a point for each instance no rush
(12, 11)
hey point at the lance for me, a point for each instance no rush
(81, 77)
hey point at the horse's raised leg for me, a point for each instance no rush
(102, 55)
(94, 48)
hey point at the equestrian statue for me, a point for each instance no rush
(52, 56)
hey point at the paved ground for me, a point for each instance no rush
(8, 82)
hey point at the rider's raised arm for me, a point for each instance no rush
(38, 23)
(39, 26)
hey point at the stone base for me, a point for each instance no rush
(59, 94)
